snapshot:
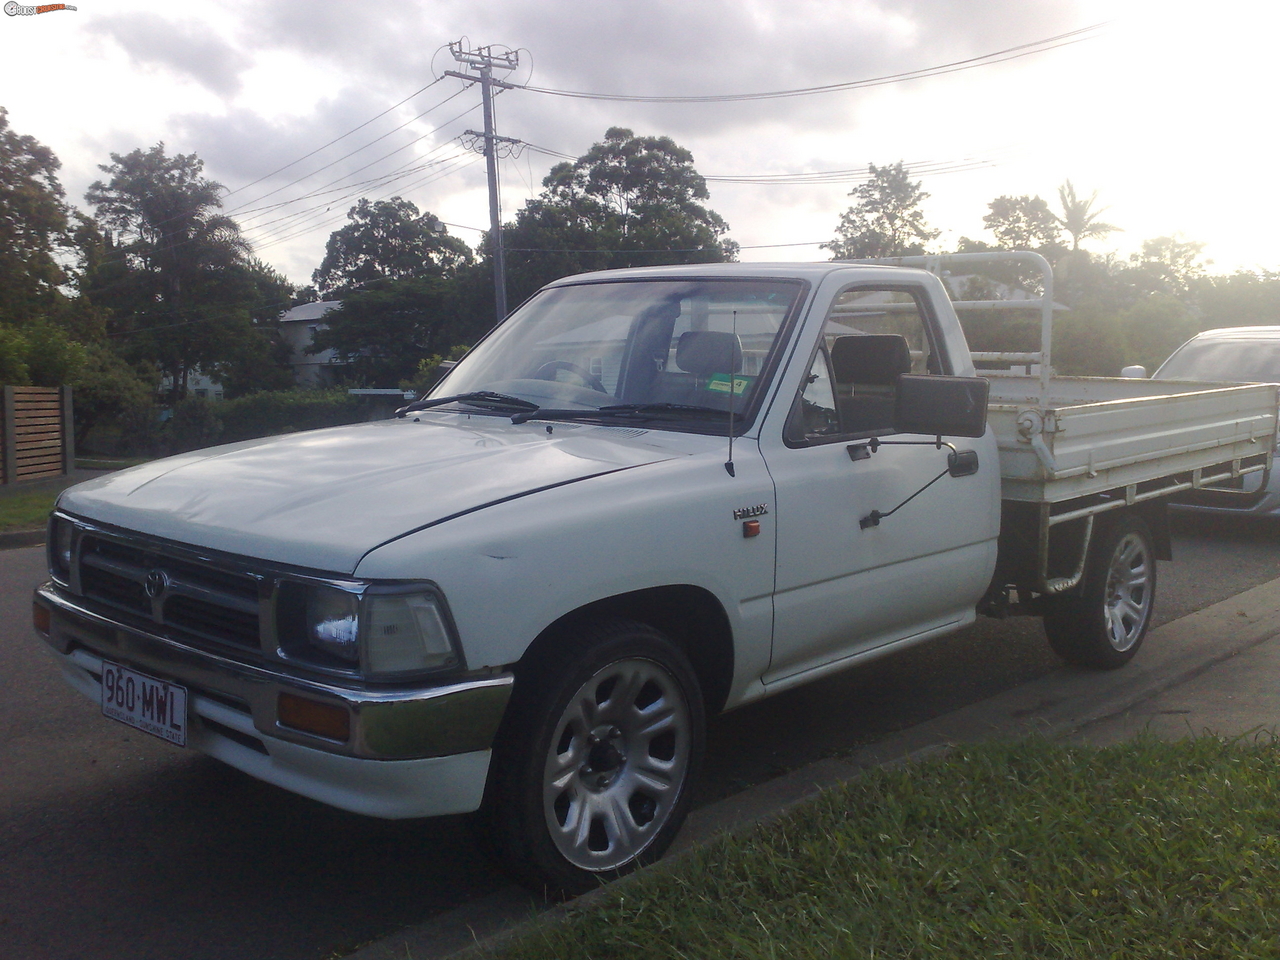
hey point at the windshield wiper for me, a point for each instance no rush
(642, 411)
(480, 398)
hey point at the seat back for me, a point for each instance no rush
(707, 352)
(866, 369)
(873, 359)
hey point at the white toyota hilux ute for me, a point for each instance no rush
(646, 496)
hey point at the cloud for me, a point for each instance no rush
(660, 48)
(314, 69)
(188, 49)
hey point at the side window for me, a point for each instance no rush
(816, 415)
(870, 337)
(863, 310)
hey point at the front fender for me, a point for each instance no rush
(511, 570)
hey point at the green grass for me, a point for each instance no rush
(29, 509)
(25, 511)
(1023, 850)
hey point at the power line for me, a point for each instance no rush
(326, 146)
(999, 56)
(329, 144)
(354, 152)
(852, 175)
(319, 223)
(856, 175)
(384, 178)
(1021, 50)
(351, 190)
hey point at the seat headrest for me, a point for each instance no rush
(876, 358)
(706, 352)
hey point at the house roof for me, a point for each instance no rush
(310, 311)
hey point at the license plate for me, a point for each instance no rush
(153, 706)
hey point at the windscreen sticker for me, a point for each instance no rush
(719, 383)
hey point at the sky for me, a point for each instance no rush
(1165, 109)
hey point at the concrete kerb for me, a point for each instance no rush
(11, 539)
(1054, 706)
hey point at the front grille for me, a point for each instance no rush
(117, 591)
(211, 619)
(197, 602)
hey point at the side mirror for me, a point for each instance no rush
(962, 463)
(1135, 372)
(941, 406)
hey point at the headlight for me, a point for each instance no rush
(333, 622)
(383, 629)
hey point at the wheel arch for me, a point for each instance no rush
(1102, 623)
(689, 615)
(1018, 559)
(1154, 513)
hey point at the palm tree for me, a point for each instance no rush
(1079, 218)
(180, 248)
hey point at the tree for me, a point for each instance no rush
(1167, 265)
(246, 350)
(40, 354)
(886, 220)
(1242, 299)
(1079, 218)
(33, 227)
(173, 268)
(108, 387)
(1021, 223)
(383, 331)
(388, 240)
(628, 201)
(634, 178)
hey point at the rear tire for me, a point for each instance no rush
(1103, 626)
(592, 772)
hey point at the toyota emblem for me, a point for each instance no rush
(157, 583)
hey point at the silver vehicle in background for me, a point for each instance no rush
(1233, 355)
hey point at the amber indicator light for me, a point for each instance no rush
(310, 716)
(40, 617)
(751, 528)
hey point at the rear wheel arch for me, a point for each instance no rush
(1105, 621)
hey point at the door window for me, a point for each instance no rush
(869, 338)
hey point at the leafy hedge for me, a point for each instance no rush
(196, 423)
(287, 411)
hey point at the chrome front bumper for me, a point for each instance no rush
(412, 751)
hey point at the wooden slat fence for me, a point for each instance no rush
(36, 435)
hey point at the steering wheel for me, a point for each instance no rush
(548, 372)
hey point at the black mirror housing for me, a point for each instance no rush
(941, 406)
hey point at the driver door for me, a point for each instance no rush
(846, 587)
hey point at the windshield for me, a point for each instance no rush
(1236, 361)
(662, 347)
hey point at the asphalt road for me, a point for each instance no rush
(116, 845)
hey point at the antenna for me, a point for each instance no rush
(733, 383)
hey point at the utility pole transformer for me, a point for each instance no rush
(483, 60)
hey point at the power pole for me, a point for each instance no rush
(483, 60)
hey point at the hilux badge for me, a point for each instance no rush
(746, 513)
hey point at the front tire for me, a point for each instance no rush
(591, 774)
(1105, 624)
